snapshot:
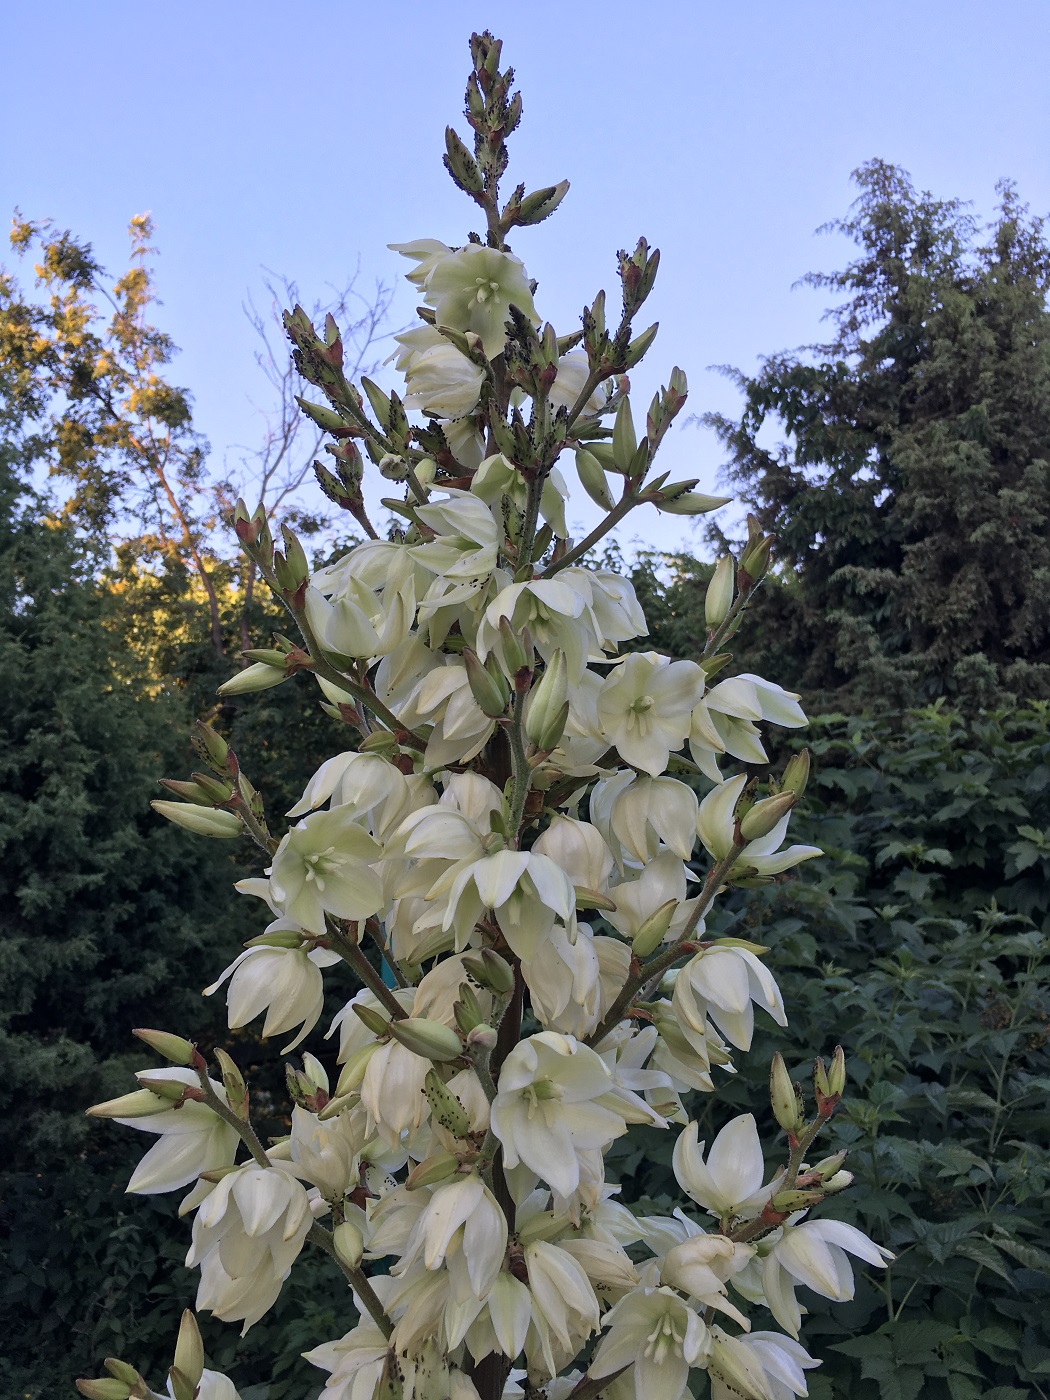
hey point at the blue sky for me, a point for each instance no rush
(305, 138)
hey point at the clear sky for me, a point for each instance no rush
(303, 138)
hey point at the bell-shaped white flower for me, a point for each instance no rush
(474, 288)
(440, 380)
(360, 781)
(561, 1294)
(463, 551)
(815, 1253)
(645, 707)
(552, 610)
(326, 1153)
(656, 1332)
(658, 883)
(579, 849)
(637, 815)
(466, 1211)
(700, 1267)
(780, 1365)
(246, 1235)
(546, 1110)
(356, 1363)
(570, 381)
(193, 1139)
(729, 1183)
(726, 983)
(286, 983)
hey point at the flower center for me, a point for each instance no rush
(317, 866)
(540, 1091)
(665, 1338)
(485, 289)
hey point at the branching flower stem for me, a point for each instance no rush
(660, 964)
(353, 954)
(357, 1280)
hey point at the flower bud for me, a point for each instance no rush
(432, 1171)
(591, 899)
(189, 1350)
(337, 1105)
(539, 205)
(490, 695)
(482, 1037)
(517, 650)
(374, 1020)
(322, 416)
(461, 165)
(754, 562)
(233, 1083)
(179, 1385)
(107, 1389)
(593, 478)
(123, 1371)
(796, 773)
(784, 1098)
(838, 1182)
(446, 1108)
(691, 503)
(653, 929)
(549, 705)
(213, 746)
(258, 676)
(348, 1243)
(639, 346)
(764, 815)
(467, 1010)
(429, 1039)
(787, 1202)
(268, 656)
(279, 938)
(489, 970)
(173, 1048)
(380, 741)
(189, 792)
(140, 1103)
(625, 440)
(837, 1072)
(719, 596)
(830, 1165)
(171, 1090)
(202, 821)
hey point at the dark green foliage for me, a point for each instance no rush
(922, 942)
(912, 494)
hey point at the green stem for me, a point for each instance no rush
(623, 506)
(255, 828)
(521, 779)
(357, 1280)
(243, 1129)
(352, 954)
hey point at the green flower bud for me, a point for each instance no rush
(652, 932)
(788, 1201)
(625, 440)
(189, 1349)
(517, 650)
(784, 1098)
(233, 1083)
(429, 1039)
(691, 503)
(376, 1023)
(180, 1386)
(106, 1389)
(140, 1103)
(830, 1165)
(491, 696)
(719, 597)
(539, 205)
(432, 1171)
(446, 1108)
(337, 1105)
(482, 1037)
(353, 1072)
(549, 705)
(591, 899)
(170, 1090)
(259, 676)
(322, 416)
(640, 345)
(380, 402)
(593, 479)
(467, 1009)
(348, 1243)
(461, 165)
(837, 1072)
(173, 1048)
(202, 821)
(796, 773)
(489, 970)
(123, 1371)
(280, 938)
(764, 815)
(213, 746)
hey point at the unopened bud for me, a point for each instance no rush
(380, 402)
(353, 1072)
(348, 1243)
(339, 1104)
(839, 1182)
(764, 816)
(279, 938)
(691, 503)
(516, 653)
(140, 1103)
(784, 1098)
(233, 1083)
(549, 705)
(796, 773)
(123, 1371)
(639, 345)
(467, 1010)
(212, 745)
(654, 929)
(322, 416)
(754, 562)
(429, 1039)
(172, 1090)
(432, 1171)
(830, 1165)
(173, 1048)
(591, 899)
(625, 440)
(109, 1388)
(376, 1023)
(787, 1202)
(539, 205)
(490, 695)
(482, 1037)
(489, 970)
(380, 741)
(189, 1349)
(179, 1385)
(837, 1072)
(258, 676)
(719, 597)
(593, 478)
(461, 165)
(202, 821)
(445, 1107)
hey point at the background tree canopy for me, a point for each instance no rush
(910, 497)
(911, 493)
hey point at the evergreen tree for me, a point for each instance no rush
(912, 491)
